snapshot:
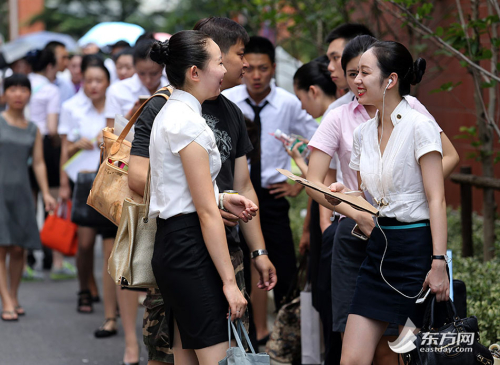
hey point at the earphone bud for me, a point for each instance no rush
(390, 82)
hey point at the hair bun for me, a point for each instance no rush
(418, 71)
(159, 52)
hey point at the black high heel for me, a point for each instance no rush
(103, 333)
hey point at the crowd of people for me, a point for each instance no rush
(216, 252)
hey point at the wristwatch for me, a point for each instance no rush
(441, 257)
(221, 202)
(258, 253)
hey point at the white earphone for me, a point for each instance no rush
(390, 82)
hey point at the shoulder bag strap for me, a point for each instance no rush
(117, 144)
(146, 198)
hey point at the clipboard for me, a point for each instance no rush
(356, 202)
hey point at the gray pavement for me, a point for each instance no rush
(54, 333)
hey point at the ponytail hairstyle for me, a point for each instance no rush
(183, 50)
(39, 60)
(355, 48)
(394, 57)
(314, 73)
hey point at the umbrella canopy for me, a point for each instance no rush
(18, 48)
(107, 33)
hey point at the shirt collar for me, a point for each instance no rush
(187, 99)
(357, 107)
(271, 98)
(399, 113)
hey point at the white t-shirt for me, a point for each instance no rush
(123, 94)
(395, 177)
(178, 124)
(45, 100)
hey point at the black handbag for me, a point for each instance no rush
(81, 213)
(455, 343)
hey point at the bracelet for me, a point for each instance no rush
(221, 201)
(257, 253)
(440, 257)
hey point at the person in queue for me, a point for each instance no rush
(19, 140)
(123, 96)
(190, 243)
(81, 122)
(228, 125)
(124, 63)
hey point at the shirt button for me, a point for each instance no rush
(398, 116)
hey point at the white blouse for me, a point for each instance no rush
(178, 124)
(45, 100)
(395, 178)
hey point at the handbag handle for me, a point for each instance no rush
(146, 198)
(430, 311)
(117, 144)
(237, 334)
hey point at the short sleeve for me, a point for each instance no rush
(203, 140)
(427, 138)
(356, 149)
(112, 106)
(327, 136)
(181, 133)
(143, 126)
(65, 121)
(244, 146)
(54, 101)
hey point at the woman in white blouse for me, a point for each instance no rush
(398, 158)
(191, 259)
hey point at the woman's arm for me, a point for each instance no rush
(197, 169)
(450, 156)
(432, 174)
(40, 171)
(52, 124)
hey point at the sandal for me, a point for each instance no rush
(19, 310)
(84, 300)
(11, 315)
(101, 332)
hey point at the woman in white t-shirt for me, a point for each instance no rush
(398, 156)
(191, 261)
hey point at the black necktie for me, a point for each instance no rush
(255, 170)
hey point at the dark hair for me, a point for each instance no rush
(145, 36)
(53, 45)
(120, 44)
(314, 73)
(322, 59)
(394, 57)
(142, 49)
(94, 60)
(356, 47)
(73, 55)
(124, 52)
(39, 60)
(260, 45)
(184, 49)
(16, 80)
(224, 31)
(347, 32)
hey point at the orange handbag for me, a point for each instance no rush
(58, 232)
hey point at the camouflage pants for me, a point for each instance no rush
(155, 327)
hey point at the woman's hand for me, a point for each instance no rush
(240, 206)
(84, 144)
(365, 223)
(64, 192)
(438, 281)
(135, 108)
(294, 152)
(236, 300)
(336, 188)
(50, 202)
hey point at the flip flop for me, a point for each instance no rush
(19, 310)
(10, 313)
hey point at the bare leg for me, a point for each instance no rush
(181, 356)
(154, 362)
(57, 260)
(383, 353)
(16, 267)
(108, 286)
(360, 340)
(259, 305)
(85, 259)
(127, 299)
(210, 355)
(7, 303)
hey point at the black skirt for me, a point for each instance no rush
(189, 283)
(406, 263)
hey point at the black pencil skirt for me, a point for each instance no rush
(406, 263)
(189, 283)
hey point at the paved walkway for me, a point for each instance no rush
(54, 333)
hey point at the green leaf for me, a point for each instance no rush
(439, 31)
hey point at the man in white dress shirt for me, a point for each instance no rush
(271, 108)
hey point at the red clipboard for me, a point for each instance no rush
(357, 202)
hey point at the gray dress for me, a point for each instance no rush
(17, 209)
